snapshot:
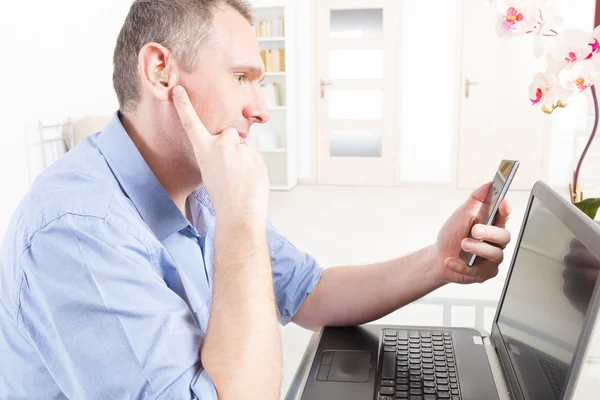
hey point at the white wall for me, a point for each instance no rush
(13, 173)
(58, 64)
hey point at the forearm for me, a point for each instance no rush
(360, 294)
(243, 325)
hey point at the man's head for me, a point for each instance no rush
(207, 46)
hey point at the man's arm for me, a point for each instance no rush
(243, 324)
(353, 295)
(356, 295)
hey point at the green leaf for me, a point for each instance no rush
(589, 206)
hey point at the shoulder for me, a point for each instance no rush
(80, 185)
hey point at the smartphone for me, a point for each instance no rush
(487, 213)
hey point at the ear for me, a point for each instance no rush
(157, 71)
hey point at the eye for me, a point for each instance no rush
(241, 78)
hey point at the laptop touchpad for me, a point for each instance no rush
(350, 366)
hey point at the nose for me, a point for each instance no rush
(258, 111)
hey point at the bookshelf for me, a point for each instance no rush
(271, 39)
(276, 139)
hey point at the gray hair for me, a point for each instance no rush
(182, 26)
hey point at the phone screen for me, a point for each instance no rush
(487, 213)
(503, 176)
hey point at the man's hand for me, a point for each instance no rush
(488, 242)
(234, 175)
(242, 294)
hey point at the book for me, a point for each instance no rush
(263, 55)
(273, 60)
(272, 94)
(270, 28)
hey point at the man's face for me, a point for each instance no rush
(224, 86)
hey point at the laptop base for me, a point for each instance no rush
(325, 375)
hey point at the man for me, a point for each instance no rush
(142, 265)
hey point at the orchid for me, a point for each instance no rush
(572, 66)
(522, 17)
(518, 19)
(575, 45)
(545, 89)
(548, 22)
(578, 76)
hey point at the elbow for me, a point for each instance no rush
(305, 321)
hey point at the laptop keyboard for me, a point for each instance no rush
(556, 375)
(417, 365)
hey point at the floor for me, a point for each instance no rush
(346, 226)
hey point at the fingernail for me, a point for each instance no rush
(467, 245)
(177, 90)
(453, 265)
(478, 231)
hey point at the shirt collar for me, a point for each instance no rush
(202, 196)
(139, 182)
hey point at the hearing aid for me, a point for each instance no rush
(163, 76)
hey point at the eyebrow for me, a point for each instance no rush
(254, 70)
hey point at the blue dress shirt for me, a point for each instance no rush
(105, 286)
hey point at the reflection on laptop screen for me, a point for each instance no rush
(545, 304)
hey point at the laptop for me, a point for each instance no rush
(537, 345)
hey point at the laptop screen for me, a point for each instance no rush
(545, 303)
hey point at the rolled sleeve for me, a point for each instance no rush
(295, 274)
(103, 321)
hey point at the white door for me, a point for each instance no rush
(497, 119)
(356, 73)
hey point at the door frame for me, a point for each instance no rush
(387, 124)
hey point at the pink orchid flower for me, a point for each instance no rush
(512, 17)
(578, 77)
(544, 88)
(520, 17)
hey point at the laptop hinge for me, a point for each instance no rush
(497, 372)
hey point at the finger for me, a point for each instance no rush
(230, 136)
(198, 134)
(476, 273)
(491, 234)
(477, 197)
(504, 211)
(483, 250)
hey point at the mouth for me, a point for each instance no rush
(243, 136)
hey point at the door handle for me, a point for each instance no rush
(468, 84)
(322, 85)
